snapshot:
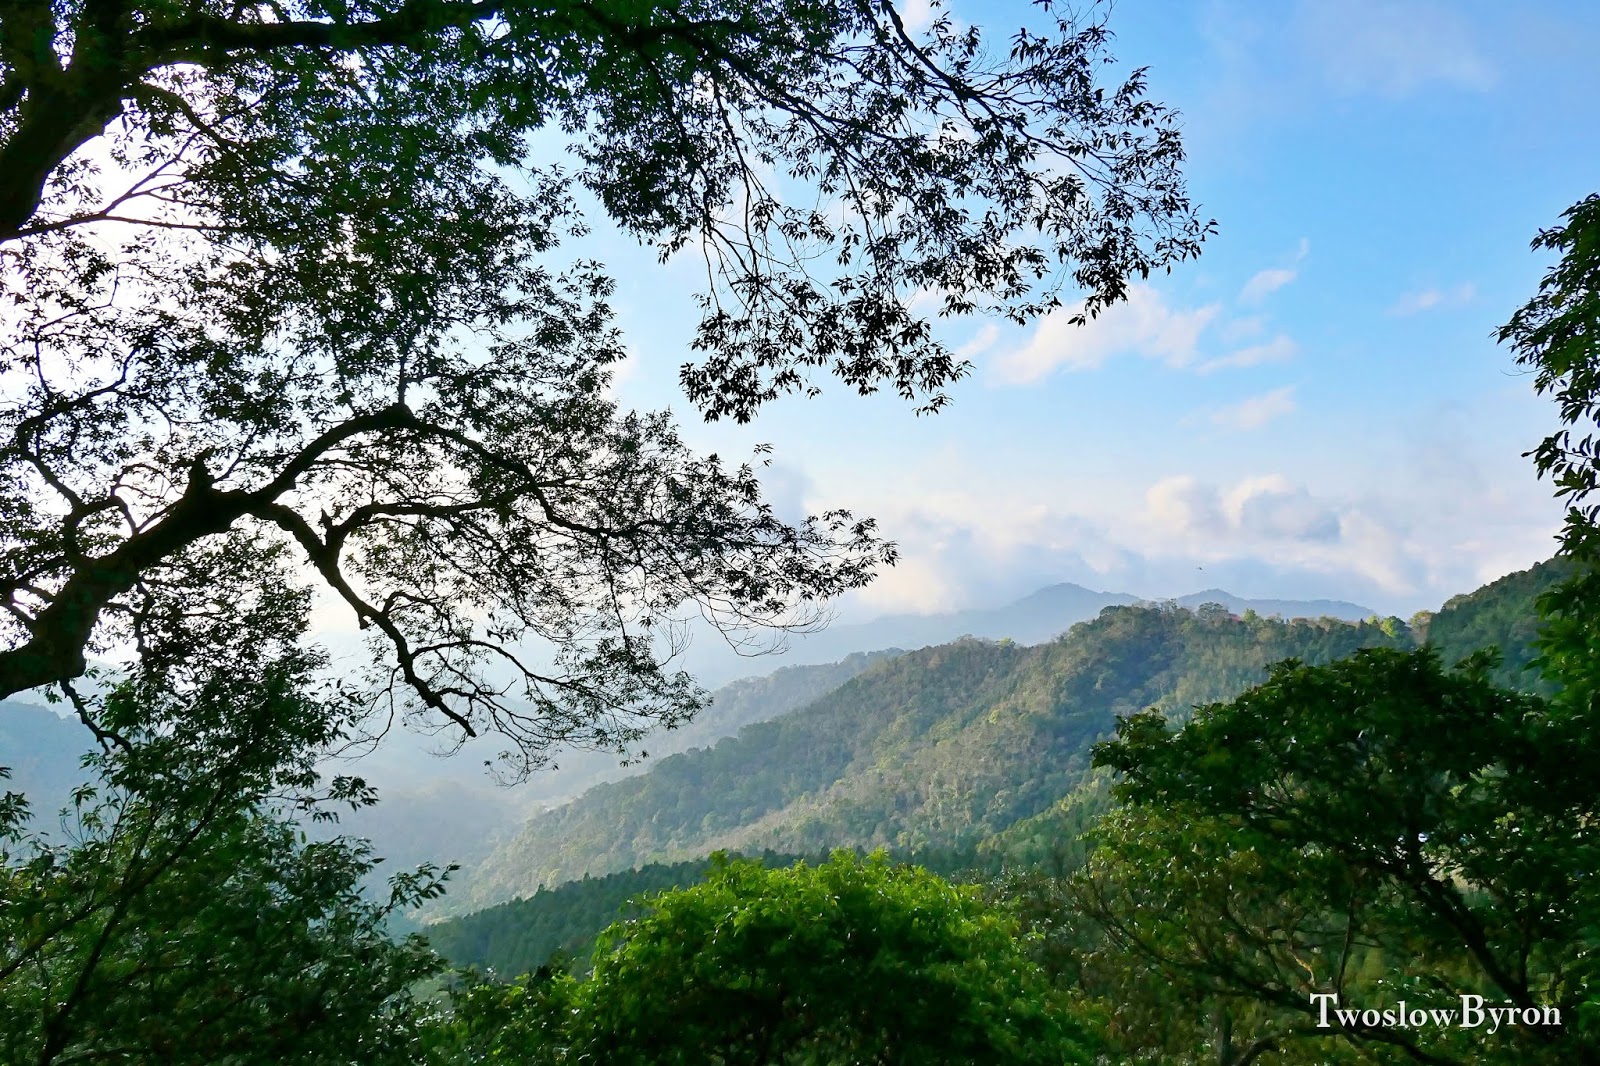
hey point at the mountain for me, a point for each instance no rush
(934, 748)
(43, 751)
(1348, 612)
(950, 745)
(733, 706)
(1034, 619)
(449, 811)
(446, 810)
(522, 933)
(423, 816)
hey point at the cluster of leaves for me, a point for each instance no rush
(851, 960)
(1379, 829)
(187, 919)
(284, 297)
(1554, 335)
(283, 306)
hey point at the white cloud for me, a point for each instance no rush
(1242, 328)
(1391, 547)
(1434, 298)
(1265, 282)
(981, 342)
(1144, 324)
(957, 554)
(1269, 521)
(1287, 513)
(1182, 504)
(1256, 411)
(787, 489)
(1393, 47)
(1276, 350)
(1379, 553)
(1257, 510)
(1233, 501)
(917, 15)
(918, 583)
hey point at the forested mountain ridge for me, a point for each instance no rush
(522, 933)
(952, 745)
(1502, 614)
(1036, 618)
(931, 749)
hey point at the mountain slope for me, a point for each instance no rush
(1041, 616)
(521, 934)
(1503, 614)
(43, 751)
(424, 816)
(932, 749)
(953, 744)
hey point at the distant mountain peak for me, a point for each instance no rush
(1036, 618)
(1341, 609)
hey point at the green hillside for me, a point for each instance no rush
(993, 728)
(936, 748)
(1502, 613)
(512, 938)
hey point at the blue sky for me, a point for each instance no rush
(1315, 407)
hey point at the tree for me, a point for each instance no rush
(187, 921)
(849, 961)
(1380, 830)
(1555, 335)
(284, 294)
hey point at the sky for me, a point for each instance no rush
(1314, 408)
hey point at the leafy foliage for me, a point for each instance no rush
(1379, 829)
(285, 297)
(1554, 335)
(849, 961)
(188, 921)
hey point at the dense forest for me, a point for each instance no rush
(972, 752)
(321, 421)
(948, 746)
(520, 936)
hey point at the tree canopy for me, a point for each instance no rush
(851, 960)
(1379, 829)
(284, 293)
(185, 919)
(1555, 336)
